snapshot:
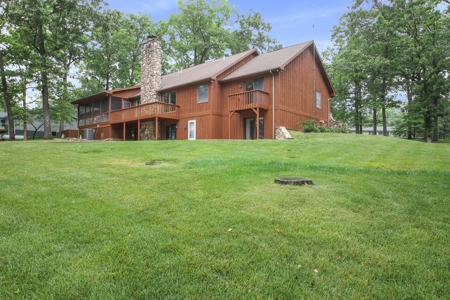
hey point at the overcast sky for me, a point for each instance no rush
(292, 20)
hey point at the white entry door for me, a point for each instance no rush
(191, 130)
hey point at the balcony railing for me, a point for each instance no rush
(143, 111)
(249, 100)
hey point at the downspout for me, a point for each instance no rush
(314, 79)
(273, 105)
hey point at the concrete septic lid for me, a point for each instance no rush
(293, 181)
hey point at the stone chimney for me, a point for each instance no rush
(150, 70)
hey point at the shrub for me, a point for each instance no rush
(311, 126)
(308, 126)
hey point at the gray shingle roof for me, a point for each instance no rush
(201, 72)
(268, 61)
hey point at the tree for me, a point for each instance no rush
(113, 53)
(49, 28)
(7, 97)
(400, 45)
(348, 68)
(203, 31)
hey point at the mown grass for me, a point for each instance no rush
(92, 221)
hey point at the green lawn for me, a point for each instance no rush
(93, 221)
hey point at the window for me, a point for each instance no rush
(257, 84)
(191, 130)
(126, 104)
(137, 102)
(170, 97)
(318, 99)
(202, 93)
(116, 103)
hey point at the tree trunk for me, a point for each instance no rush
(357, 108)
(7, 99)
(374, 121)
(25, 131)
(44, 83)
(409, 97)
(383, 113)
(61, 122)
(436, 129)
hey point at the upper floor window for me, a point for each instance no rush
(170, 97)
(203, 93)
(257, 84)
(318, 99)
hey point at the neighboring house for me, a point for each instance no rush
(3, 123)
(369, 130)
(19, 130)
(243, 96)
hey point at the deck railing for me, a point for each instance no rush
(148, 110)
(248, 100)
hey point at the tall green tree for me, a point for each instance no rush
(349, 66)
(49, 28)
(113, 53)
(203, 31)
(399, 45)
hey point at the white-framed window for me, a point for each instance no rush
(191, 130)
(202, 93)
(170, 97)
(318, 99)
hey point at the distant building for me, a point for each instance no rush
(369, 130)
(19, 130)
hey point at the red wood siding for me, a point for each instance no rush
(295, 95)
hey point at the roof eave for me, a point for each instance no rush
(251, 52)
(171, 88)
(92, 97)
(252, 74)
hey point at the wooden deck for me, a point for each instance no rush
(145, 111)
(249, 100)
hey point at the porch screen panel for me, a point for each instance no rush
(97, 107)
(88, 110)
(116, 103)
(80, 111)
(105, 105)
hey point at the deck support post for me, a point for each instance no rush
(124, 131)
(156, 129)
(229, 124)
(256, 111)
(257, 123)
(139, 129)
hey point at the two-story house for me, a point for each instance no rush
(243, 96)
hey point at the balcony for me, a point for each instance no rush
(145, 111)
(249, 100)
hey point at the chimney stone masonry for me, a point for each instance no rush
(150, 70)
(150, 82)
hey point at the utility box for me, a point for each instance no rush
(88, 134)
